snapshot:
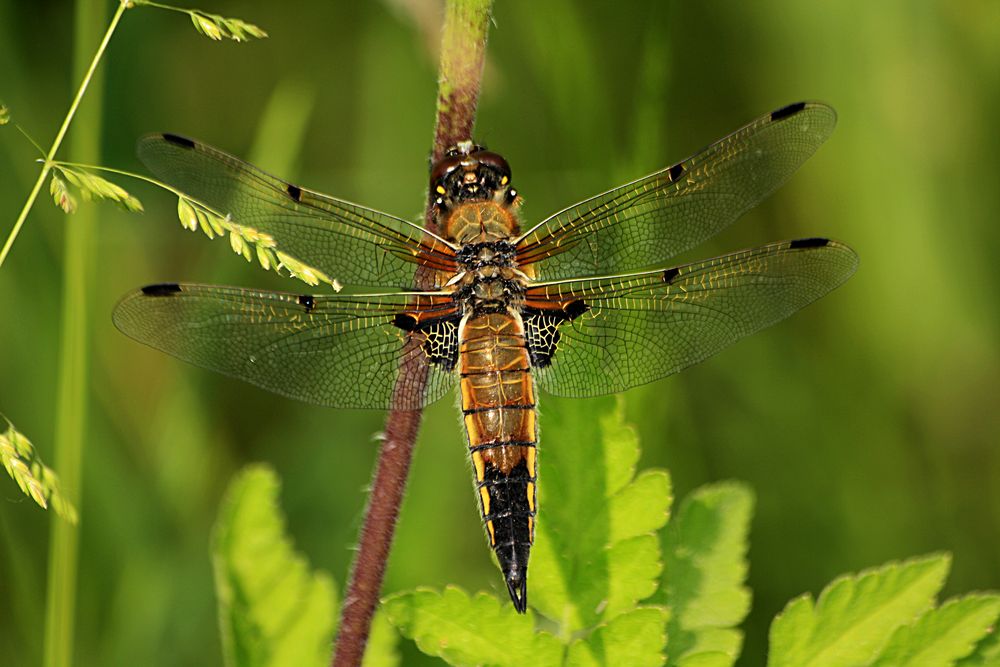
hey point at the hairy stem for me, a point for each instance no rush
(463, 47)
(71, 405)
(47, 165)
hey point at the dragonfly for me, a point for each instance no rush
(581, 304)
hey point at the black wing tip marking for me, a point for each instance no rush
(178, 140)
(787, 111)
(161, 289)
(675, 172)
(294, 191)
(669, 275)
(815, 242)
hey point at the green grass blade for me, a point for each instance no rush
(71, 404)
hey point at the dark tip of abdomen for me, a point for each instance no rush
(177, 140)
(161, 289)
(517, 587)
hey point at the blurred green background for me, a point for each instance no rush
(868, 424)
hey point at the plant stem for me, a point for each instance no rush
(47, 165)
(71, 408)
(463, 51)
(463, 48)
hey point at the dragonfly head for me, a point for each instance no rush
(469, 173)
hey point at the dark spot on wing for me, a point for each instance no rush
(575, 309)
(669, 275)
(307, 301)
(808, 243)
(790, 110)
(162, 289)
(676, 171)
(405, 322)
(294, 191)
(176, 140)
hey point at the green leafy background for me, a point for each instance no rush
(867, 426)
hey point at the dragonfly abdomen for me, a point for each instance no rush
(498, 404)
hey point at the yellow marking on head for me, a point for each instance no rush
(485, 496)
(440, 190)
(493, 536)
(531, 497)
(503, 180)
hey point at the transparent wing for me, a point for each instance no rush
(350, 243)
(339, 351)
(645, 222)
(634, 329)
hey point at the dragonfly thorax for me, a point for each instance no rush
(475, 256)
(490, 289)
(479, 223)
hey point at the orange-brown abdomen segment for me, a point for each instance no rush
(498, 404)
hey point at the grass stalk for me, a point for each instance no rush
(71, 408)
(87, 77)
(463, 49)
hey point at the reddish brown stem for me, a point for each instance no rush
(463, 48)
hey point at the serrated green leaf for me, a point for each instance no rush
(987, 652)
(636, 639)
(595, 555)
(705, 549)
(706, 659)
(380, 650)
(629, 508)
(470, 631)
(273, 612)
(944, 635)
(635, 568)
(35, 479)
(855, 615)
